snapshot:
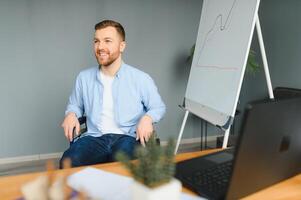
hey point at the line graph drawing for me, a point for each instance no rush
(220, 24)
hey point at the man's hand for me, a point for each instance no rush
(144, 129)
(69, 123)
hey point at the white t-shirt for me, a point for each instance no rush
(107, 122)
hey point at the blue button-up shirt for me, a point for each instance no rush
(134, 94)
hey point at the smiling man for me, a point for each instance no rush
(121, 103)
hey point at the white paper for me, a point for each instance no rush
(104, 185)
(190, 197)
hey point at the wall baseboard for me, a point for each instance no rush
(185, 143)
(30, 158)
(193, 143)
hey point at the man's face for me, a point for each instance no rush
(108, 45)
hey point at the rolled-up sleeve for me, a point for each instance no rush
(75, 103)
(152, 100)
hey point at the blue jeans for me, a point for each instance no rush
(90, 150)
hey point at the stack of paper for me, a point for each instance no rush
(105, 185)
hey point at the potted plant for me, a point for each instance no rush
(153, 172)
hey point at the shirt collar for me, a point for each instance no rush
(121, 70)
(118, 74)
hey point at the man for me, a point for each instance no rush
(121, 103)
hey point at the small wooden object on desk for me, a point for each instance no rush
(50, 187)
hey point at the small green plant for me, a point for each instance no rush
(252, 65)
(154, 165)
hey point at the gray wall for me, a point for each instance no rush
(282, 31)
(45, 43)
(280, 22)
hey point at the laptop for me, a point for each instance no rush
(268, 150)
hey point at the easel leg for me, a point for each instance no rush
(226, 137)
(206, 134)
(266, 70)
(264, 58)
(202, 131)
(181, 131)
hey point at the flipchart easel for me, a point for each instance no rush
(268, 80)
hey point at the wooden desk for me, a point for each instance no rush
(288, 189)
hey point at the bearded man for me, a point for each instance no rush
(120, 102)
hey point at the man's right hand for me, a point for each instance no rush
(68, 125)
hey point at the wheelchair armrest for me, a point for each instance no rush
(158, 141)
(83, 128)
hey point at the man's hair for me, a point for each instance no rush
(116, 25)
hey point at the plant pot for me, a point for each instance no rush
(168, 191)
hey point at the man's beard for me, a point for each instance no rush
(112, 58)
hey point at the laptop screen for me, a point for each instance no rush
(268, 150)
(269, 147)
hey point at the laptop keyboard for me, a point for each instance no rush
(212, 181)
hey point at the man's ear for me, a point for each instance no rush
(122, 46)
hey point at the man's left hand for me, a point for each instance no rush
(144, 129)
